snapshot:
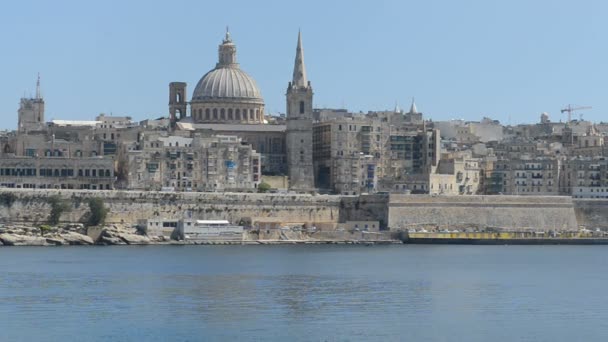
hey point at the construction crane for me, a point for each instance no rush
(571, 109)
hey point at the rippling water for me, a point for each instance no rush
(304, 293)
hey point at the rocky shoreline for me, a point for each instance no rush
(113, 235)
(72, 235)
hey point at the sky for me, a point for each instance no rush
(508, 60)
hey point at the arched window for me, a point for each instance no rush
(257, 114)
(301, 107)
(230, 114)
(238, 114)
(214, 113)
(251, 114)
(223, 114)
(207, 114)
(179, 97)
(200, 114)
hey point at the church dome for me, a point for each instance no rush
(227, 82)
(227, 94)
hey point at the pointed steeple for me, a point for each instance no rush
(38, 88)
(413, 109)
(299, 70)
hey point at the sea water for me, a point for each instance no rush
(304, 293)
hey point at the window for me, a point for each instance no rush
(301, 107)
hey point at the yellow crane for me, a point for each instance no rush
(571, 109)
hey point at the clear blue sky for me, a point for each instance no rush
(459, 59)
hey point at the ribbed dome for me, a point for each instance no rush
(227, 82)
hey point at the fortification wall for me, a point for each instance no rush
(394, 211)
(539, 213)
(592, 213)
(365, 208)
(31, 206)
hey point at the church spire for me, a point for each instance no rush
(413, 109)
(38, 88)
(299, 70)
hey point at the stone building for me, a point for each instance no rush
(583, 174)
(268, 140)
(374, 152)
(95, 173)
(212, 163)
(31, 112)
(346, 153)
(528, 175)
(456, 175)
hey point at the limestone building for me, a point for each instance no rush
(212, 163)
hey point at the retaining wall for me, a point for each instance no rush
(394, 211)
(501, 212)
(31, 206)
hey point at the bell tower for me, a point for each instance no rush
(299, 126)
(31, 112)
(177, 102)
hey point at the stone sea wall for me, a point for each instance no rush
(539, 213)
(31, 206)
(592, 213)
(393, 212)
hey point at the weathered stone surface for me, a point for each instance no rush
(22, 240)
(73, 238)
(114, 235)
(481, 212)
(134, 239)
(55, 240)
(110, 240)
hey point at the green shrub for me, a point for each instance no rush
(263, 187)
(98, 212)
(44, 229)
(58, 207)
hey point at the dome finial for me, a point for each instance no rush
(227, 39)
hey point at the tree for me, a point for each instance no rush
(263, 187)
(58, 207)
(98, 212)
